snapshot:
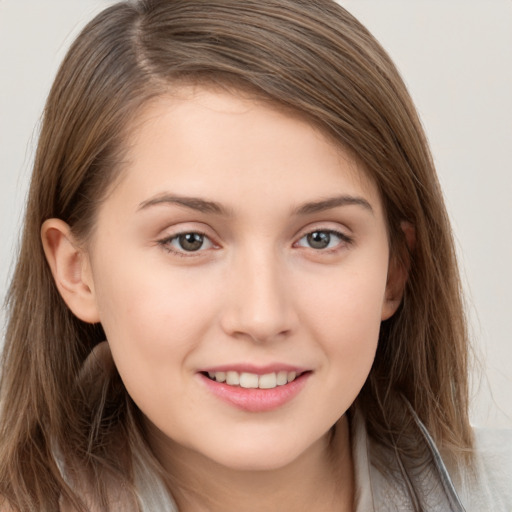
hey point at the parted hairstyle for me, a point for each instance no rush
(311, 57)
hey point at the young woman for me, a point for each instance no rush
(237, 287)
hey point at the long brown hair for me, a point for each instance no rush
(311, 57)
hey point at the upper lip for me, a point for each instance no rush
(252, 368)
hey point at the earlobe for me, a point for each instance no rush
(398, 273)
(70, 268)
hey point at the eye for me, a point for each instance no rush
(323, 239)
(187, 242)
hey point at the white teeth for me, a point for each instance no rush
(232, 378)
(268, 381)
(282, 378)
(252, 380)
(248, 380)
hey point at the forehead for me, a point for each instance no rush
(200, 137)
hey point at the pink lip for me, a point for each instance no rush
(258, 370)
(256, 400)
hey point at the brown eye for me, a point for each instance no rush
(323, 239)
(186, 243)
(319, 239)
(190, 241)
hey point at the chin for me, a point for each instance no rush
(269, 454)
(257, 462)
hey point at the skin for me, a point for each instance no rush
(255, 292)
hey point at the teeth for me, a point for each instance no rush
(232, 378)
(248, 380)
(282, 378)
(268, 381)
(252, 381)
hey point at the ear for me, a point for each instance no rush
(398, 273)
(70, 268)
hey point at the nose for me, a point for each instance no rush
(258, 304)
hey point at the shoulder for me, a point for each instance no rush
(489, 485)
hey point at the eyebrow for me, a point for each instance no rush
(194, 203)
(333, 202)
(204, 206)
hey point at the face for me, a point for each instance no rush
(240, 270)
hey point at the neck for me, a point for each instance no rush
(319, 479)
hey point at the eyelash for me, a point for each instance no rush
(165, 243)
(343, 240)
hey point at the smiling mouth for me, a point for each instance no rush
(256, 392)
(252, 380)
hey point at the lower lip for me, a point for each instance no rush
(256, 400)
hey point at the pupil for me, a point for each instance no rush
(319, 239)
(191, 241)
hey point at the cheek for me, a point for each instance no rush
(153, 322)
(349, 302)
(150, 317)
(344, 316)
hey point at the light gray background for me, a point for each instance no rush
(455, 56)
